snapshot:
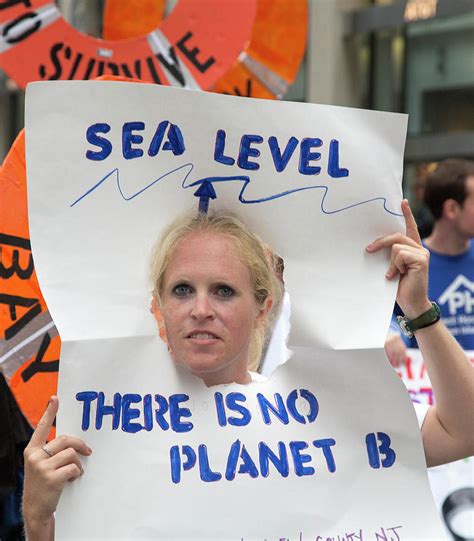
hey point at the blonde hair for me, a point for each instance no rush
(253, 253)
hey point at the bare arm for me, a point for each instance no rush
(447, 431)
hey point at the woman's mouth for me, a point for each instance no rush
(202, 335)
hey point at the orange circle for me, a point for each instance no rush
(277, 43)
(191, 47)
(120, 20)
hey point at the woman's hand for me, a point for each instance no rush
(47, 468)
(409, 260)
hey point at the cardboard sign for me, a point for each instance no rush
(328, 446)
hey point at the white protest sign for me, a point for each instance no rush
(133, 197)
(329, 444)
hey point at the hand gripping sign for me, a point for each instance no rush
(329, 445)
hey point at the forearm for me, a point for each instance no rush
(452, 379)
(39, 530)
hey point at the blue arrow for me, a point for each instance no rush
(205, 192)
(246, 181)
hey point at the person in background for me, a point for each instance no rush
(15, 433)
(422, 214)
(449, 195)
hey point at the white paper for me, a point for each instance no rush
(91, 243)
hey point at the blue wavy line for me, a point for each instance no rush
(239, 178)
(116, 170)
(246, 180)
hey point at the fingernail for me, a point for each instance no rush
(90, 450)
(369, 247)
(388, 274)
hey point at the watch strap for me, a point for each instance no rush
(410, 326)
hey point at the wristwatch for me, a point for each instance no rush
(409, 326)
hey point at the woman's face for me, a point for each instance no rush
(209, 308)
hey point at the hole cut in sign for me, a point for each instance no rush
(274, 352)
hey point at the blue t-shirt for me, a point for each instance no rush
(451, 286)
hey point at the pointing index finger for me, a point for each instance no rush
(40, 435)
(410, 223)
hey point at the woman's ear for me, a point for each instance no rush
(156, 311)
(154, 306)
(264, 310)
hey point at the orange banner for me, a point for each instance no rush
(192, 47)
(30, 342)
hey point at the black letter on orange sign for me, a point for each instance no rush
(30, 28)
(53, 53)
(173, 67)
(13, 301)
(137, 66)
(113, 68)
(90, 67)
(18, 242)
(126, 70)
(37, 365)
(11, 3)
(153, 72)
(191, 54)
(249, 90)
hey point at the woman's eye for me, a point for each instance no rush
(225, 292)
(181, 290)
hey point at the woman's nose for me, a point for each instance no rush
(202, 307)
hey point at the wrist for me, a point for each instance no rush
(416, 310)
(427, 318)
(39, 528)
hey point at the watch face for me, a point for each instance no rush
(403, 324)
